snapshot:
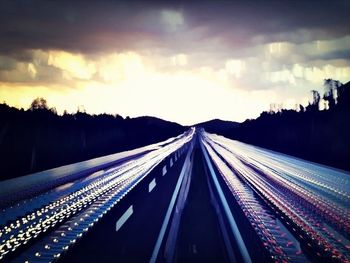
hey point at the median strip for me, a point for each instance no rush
(160, 238)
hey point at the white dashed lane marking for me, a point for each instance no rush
(151, 185)
(164, 170)
(124, 218)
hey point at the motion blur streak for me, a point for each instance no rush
(93, 198)
(312, 201)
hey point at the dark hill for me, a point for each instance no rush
(218, 126)
(39, 139)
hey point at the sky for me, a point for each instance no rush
(183, 61)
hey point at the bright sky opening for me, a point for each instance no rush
(183, 62)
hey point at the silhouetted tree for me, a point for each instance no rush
(316, 97)
(301, 108)
(39, 139)
(314, 104)
(53, 110)
(320, 136)
(330, 95)
(39, 104)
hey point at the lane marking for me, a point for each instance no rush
(123, 218)
(171, 206)
(171, 162)
(151, 185)
(170, 242)
(234, 228)
(164, 170)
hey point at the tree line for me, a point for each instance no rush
(321, 136)
(38, 138)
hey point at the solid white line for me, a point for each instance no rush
(237, 235)
(164, 170)
(151, 185)
(171, 207)
(123, 218)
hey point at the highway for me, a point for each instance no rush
(45, 226)
(198, 197)
(298, 210)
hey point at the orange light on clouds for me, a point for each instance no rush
(131, 85)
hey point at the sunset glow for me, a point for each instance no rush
(164, 62)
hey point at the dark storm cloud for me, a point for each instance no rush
(342, 54)
(91, 27)
(244, 24)
(75, 26)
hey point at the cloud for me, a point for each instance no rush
(72, 65)
(120, 66)
(281, 76)
(179, 60)
(32, 70)
(326, 48)
(93, 26)
(21, 72)
(172, 19)
(235, 67)
(129, 49)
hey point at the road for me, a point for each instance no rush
(198, 197)
(299, 210)
(46, 226)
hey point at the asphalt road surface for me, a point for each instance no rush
(198, 197)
